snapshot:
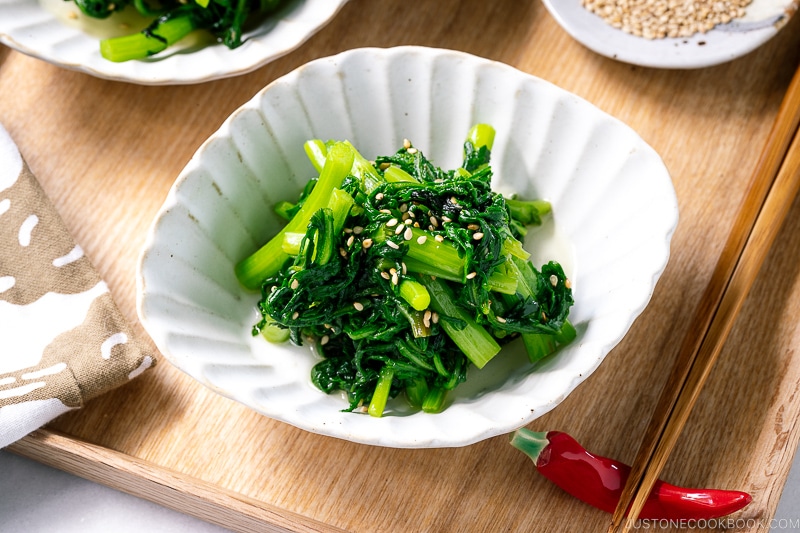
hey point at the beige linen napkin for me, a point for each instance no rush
(62, 339)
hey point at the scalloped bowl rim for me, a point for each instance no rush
(383, 431)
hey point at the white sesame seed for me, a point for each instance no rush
(379, 196)
(324, 340)
(351, 240)
(439, 238)
(400, 229)
(295, 315)
(567, 283)
(412, 150)
(404, 268)
(359, 306)
(501, 319)
(421, 239)
(403, 208)
(392, 222)
(366, 243)
(395, 279)
(435, 317)
(477, 235)
(408, 235)
(407, 221)
(357, 230)
(392, 244)
(657, 19)
(386, 211)
(385, 275)
(295, 284)
(471, 275)
(406, 144)
(553, 280)
(342, 252)
(473, 227)
(434, 221)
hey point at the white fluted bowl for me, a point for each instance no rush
(57, 34)
(614, 207)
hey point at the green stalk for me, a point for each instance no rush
(481, 135)
(528, 211)
(497, 282)
(416, 392)
(434, 400)
(567, 333)
(266, 262)
(513, 247)
(415, 320)
(273, 333)
(381, 394)
(441, 259)
(291, 242)
(394, 174)
(415, 294)
(316, 151)
(364, 171)
(430, 251)
(476, 343)
(282, 209)
(146, 43)
(538, 345)
(339, 205)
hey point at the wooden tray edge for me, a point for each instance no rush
(162, 486)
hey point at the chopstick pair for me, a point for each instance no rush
(774, 185)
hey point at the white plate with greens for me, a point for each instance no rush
(56, 31)
(614, 213)
(725, 42)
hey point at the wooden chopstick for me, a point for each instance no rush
(773, 187)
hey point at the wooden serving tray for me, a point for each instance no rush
(107, 152)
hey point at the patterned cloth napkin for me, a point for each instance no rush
(62, 339)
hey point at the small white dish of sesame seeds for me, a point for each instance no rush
(614, 213)
(57, 32)
(725, 42)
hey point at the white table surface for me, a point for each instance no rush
(35, 498)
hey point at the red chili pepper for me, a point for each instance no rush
(599, 481)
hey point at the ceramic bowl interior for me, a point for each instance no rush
(56, 31)
(614, 214)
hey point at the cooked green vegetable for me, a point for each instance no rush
(403, 274)
(173, 20)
